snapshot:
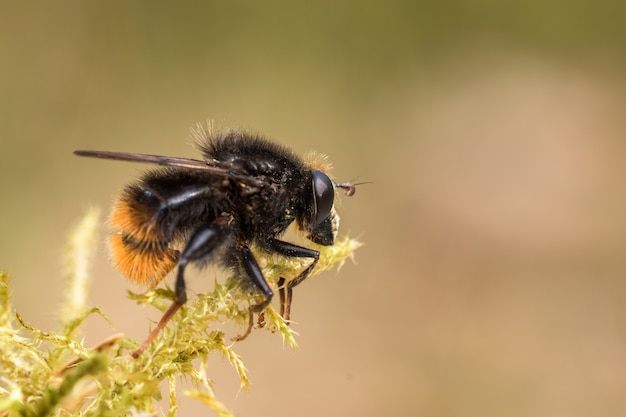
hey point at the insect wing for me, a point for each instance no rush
(169, 161)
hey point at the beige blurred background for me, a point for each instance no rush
(492, 280)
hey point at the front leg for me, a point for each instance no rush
(295, 251)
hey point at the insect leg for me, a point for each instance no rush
(166, 317)
(289, 249)
(202, 243)
(281, 295)
(253, 271)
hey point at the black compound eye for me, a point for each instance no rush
(323, 196)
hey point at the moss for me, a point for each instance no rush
(53, 373)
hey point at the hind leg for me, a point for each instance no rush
(204, 241)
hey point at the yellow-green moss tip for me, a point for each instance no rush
(5, 305)
(81, 246)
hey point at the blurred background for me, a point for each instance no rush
(492, 278)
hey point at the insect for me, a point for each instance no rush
(246, 191)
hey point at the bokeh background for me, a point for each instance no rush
(492, 280)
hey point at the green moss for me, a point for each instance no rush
(52, 373)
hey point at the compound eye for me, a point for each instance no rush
(323, 196)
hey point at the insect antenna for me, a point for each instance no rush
(349, 187)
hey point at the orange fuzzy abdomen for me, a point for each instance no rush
(138, 247)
